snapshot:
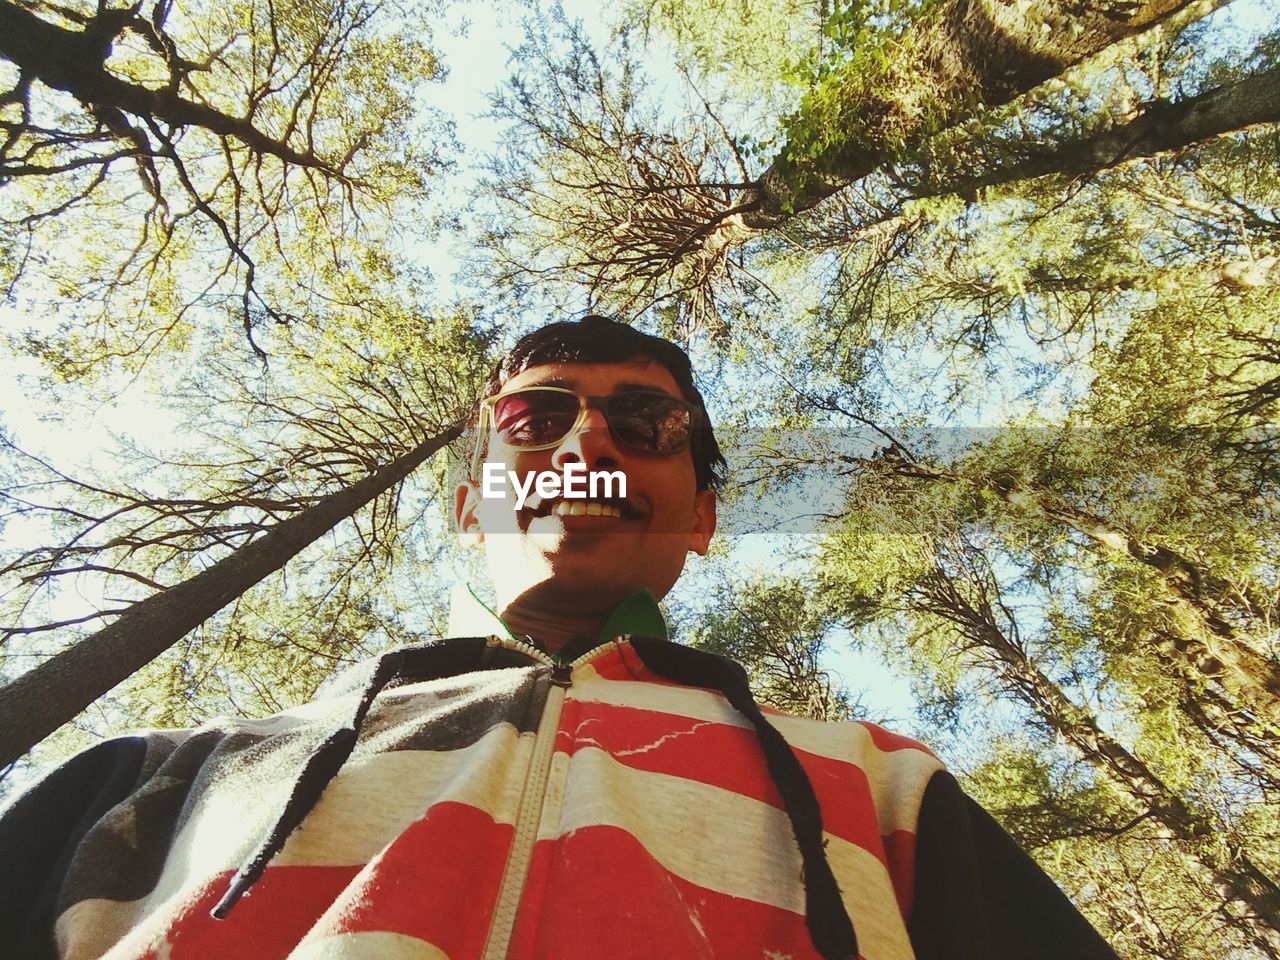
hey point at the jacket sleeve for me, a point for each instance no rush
(978, 896)
(39, 834)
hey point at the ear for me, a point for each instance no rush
(465, 521)
(704, 521)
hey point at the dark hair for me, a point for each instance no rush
(595, 339)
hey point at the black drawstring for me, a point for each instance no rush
(828, 921)
(321, 767)
(418, 663)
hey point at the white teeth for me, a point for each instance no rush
(580, 508)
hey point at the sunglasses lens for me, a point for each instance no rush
(531, 418)
(649, 421)
(653, 422)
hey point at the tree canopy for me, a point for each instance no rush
(169, 167)
(985, 297)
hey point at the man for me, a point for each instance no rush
(558, 781)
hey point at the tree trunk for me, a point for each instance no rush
(1241, 879)
(41, 700)
(967, 55)
(1251, 744)
(1203, 640)
(1236, 276)
(1160, 128)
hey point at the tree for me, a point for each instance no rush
(275, 150)
(962, 588)
(646, 214)
(134, 142)
(39, 701)
(775, 630)
(265, 453)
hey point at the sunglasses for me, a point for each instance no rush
(537, 418)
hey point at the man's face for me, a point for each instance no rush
(591, 560)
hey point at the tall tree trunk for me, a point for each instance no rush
(1202, 638)
(1219, 852)
(1161, 127)
(965, 55)
(1236, 731)
(1234, 275)
(41, 700)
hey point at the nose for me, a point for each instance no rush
(592, 444)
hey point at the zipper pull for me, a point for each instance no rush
(491, 645)
(560, 673)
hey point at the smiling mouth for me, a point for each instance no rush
(558, 507)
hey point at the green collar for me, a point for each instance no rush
(638, 614)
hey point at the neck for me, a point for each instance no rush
(552, 630)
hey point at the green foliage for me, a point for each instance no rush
(125, 232)
(860, 39)
(1128, 877)
(773, 628)
(749, 46)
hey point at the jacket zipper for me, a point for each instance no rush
(532, 798)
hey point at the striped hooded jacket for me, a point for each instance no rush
(477, 798)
